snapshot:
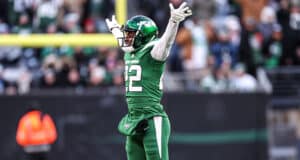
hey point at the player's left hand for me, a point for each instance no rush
(111, 24)
(179, 14)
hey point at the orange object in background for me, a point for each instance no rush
(35, 129)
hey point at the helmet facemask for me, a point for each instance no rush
(128, 39)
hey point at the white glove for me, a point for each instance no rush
(111, 24)
(179, 14)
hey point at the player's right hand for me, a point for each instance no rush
(179, 14)
(111, 24)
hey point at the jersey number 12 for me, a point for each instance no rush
(133, 78)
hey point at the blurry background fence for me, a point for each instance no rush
(283, 115)
(204, 126)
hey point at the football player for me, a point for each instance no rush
(146, 125)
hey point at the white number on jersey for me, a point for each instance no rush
(133, 78)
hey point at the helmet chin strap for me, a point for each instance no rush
(128, 49)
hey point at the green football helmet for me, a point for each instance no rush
(138, 31)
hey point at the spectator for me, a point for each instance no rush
(71, 23)
(89, 26)
(184, 44)
(49, 79)
(267, 20)
(283, 13)
(251, 9)
(291, 38)
(101, 9)
(74, 79)
(36, 133)
(273, 48)
(96, 74)
(24, 82)
(11, 88)
(200, 47)
(234, 29)
(214, 82)
(242, 81)
(51, 29)
(47, 12)
(223, 49)
(52, 62)
(75, 6)
(67, 63)
(24, 26)
(223, 7)
(27, 7)
(250, 51)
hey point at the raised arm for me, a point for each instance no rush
(115, 28)
(162, 48)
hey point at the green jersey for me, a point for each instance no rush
(143, 79)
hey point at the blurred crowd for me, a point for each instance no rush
(221, 46)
